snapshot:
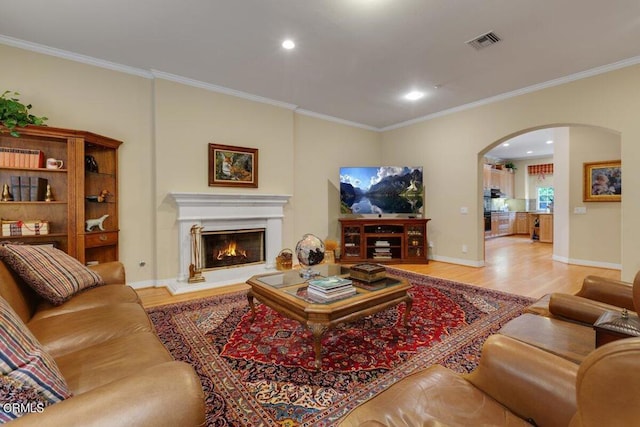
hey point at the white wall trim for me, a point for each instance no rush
(221, 89)
(64, 54)
(529, 89)
(588, 263)
(153, 74)
(469, 263)
(336, 120)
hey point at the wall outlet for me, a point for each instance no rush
(580, 210)
(431, 243)
(464, 210)
(464, 249)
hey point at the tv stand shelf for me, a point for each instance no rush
(396, 240)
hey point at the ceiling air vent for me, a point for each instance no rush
(484, 40)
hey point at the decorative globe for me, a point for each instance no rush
(310, 251)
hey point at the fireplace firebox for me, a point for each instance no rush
(233, 248)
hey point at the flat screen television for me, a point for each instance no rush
(381, 191)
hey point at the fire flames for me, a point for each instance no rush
(231, 251)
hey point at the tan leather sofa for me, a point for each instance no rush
(515, 384)
(104, 344)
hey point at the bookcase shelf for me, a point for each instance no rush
(70, 186)
(384, 240)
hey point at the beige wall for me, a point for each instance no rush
(300, 155)
(595, 236)
(321, 147)
(78, 96)
(187, 119)
(452, 147)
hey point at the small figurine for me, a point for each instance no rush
(90, 164)
(97, 222)
(48, 197)
(6, 195)
(100, 198)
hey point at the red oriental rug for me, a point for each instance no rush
(261, 373)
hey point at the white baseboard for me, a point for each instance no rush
(469, 263)
(587, 263)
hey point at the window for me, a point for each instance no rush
(545, 198)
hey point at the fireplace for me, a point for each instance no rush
(232, 248)
(240, 216)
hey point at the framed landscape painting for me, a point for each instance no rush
(233, 166)
(603, 181)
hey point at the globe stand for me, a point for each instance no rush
(308, 273)
(310, 251)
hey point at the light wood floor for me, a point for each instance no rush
(514, 264)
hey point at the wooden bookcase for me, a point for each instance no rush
(384, 241)
(71, 187)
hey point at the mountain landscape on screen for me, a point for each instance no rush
(381, 190)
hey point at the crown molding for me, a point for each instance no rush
(529, 89)
(336, 120)
(155, 74)
(59, 53)
(221, 89)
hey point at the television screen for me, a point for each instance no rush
(381, 190)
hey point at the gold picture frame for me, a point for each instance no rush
(231, 166)
(603, 181)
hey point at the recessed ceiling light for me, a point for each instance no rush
(506, 144)
(549, 142)
(529, 152)
(414, 95)
(288, 44)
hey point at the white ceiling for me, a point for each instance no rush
(354, 59)
(530, 145)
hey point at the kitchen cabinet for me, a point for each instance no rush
(502, 224)
(498, 179)
(541, 227)
(522, 223)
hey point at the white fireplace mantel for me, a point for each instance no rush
(226, 212)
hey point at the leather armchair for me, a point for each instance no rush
(515, 384)
(505, 389)
(596, 296)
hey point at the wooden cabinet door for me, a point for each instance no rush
(546, 228)
(522, 223)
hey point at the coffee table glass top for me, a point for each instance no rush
(291, 283)
(292, 277)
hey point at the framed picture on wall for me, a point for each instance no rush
(603, 181)
(233, 166)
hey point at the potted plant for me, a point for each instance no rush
(14, 114)
(510, 166)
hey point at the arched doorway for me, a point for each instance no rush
(583, 233)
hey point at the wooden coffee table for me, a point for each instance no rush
(285, 292)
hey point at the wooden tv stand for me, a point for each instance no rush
(397, 240)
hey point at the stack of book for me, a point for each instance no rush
(382, 250)
(328, 289)
(28, 189)
(21, 158)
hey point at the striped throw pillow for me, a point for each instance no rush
(30, 378)
(53, 274)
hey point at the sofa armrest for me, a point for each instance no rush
(168, 394)
(531, 382)
(578, 308)
(608, 291)
(112, 272)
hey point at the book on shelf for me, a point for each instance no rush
(28, 189)
(25, 189)
(382, 243)
(21, 158)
